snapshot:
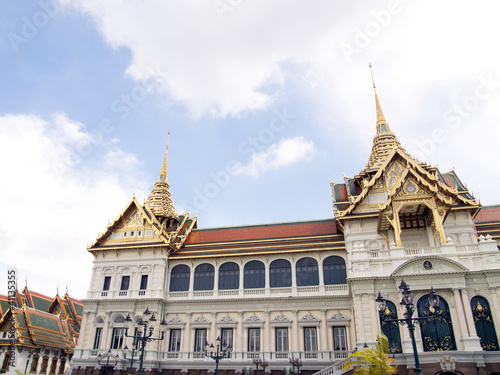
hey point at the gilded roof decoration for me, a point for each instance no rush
(160, 199)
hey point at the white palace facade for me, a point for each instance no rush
(302, 289)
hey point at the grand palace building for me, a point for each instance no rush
(305, 289)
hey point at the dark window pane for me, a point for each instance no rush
(229, 276)
(125, 283)
(144, 282)
(179, 278)
(254, 275)
(334, 271)
(97, 339)
(484, 323)
(107, 283)
(204, 277)
(280, 273)
(175, 340)
(307, 272)
(437, 332)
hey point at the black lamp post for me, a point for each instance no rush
(108, 355)
(223, 351)
(260, 362)
(132, 360)
(407, 302)
(144, 335)
(295, 362)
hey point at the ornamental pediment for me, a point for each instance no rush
(281, 319)
(254, 319)
(428, 266)
(308, 318)
(226, 319)
(338, 317)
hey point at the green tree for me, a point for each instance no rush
(372, 361)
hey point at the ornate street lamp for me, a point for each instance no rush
(260, 362)
(223, 351)
(108, 355)
(132, 360)
(407, 302)
(144, 334)
(296, 362)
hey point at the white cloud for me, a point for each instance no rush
(285, 153)
(53, 203)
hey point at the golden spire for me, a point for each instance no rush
(160, 200)
(385, 141)
(382, 126)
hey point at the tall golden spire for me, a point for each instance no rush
(160, 200)
(385, 141)
(382, 126)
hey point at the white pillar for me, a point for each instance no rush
(358, 313)
(239, 339)
(460, 312)
(374, 317)
(267, 332)
(295, 331)
(324, 331)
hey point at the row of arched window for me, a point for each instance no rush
(254, 274)
(437, 333)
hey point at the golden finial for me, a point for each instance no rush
(382, 126)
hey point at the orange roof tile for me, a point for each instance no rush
(488, 214)
(280, 230)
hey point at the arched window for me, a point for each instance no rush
(179, 278)
(391, 329)
(334, 270)
(229, 276)
(204, 277)
(483, 320)
(437, 332)
(254, 275)
(280, 273)
(306, 272)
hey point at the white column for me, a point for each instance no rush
(191, 281)
(295, 331)
(239, 339)
(324, 331)
(374, 317)
(468, 313)
(105, 334)
(187, 334)
(358, 313)
(495, 309)
(321, 276)
(213, 334)
(242, 278)
(472, 342)
(267, 332)
(460, 312)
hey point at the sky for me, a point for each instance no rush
(265, 101)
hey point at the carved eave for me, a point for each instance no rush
(424, 175)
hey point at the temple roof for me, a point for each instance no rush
(389, 170)
(317, 235)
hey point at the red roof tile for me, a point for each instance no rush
(343, 193)
(312, 228)
(488, 214)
